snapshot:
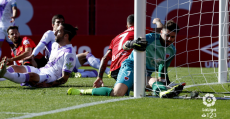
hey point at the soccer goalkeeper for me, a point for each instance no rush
(160, 51)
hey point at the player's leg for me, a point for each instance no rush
(21, 74)
(92, 60)
(124, 80)
(156, 85)
(81, 73)
(86, 73)
(159, 88)
(95, 62)
(123, 85)
(13, 69)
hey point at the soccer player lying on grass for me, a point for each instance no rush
(56, 72)
(48, 38)
(156, 58)
(116, 53)
(22, 48)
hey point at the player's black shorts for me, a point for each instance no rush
(40, 62)
(115, 73)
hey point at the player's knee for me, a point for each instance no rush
(120, 89)
(118, 93)
(33, 78)
(152, 80)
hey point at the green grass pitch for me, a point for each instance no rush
(17, 101)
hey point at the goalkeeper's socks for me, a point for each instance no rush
(102, 91)
(158, 87)
(17, 77)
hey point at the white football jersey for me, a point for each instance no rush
(61, 59)
(45, 43)
(6, 12)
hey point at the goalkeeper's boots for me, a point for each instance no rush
(174, 91)
(3, 67)
(72, 91)
(78, 75)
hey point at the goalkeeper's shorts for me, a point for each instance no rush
(125, 76)
(115, 73)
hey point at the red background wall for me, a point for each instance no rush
(101, 20)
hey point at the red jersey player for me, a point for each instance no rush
(116, 52)
(23, 48)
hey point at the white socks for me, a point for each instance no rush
(17, 77)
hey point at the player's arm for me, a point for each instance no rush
(163, 70)
(41, 45)
(135, 44)
(37, 49)
(69, 63)
(28, 51)
(157, 21)
(61, 80)
(104, 61)
(56, 83)
(14, 11)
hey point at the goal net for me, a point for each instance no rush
(201, 59)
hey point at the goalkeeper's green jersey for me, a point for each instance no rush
(156, 54)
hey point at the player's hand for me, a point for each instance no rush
(137, 44)
(12, 19)
(9, 60)
(98, 83)
(156, 21)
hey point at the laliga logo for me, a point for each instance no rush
(209, 100)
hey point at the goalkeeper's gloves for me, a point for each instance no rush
(137, 44)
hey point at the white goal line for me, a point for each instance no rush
(70, 108)
(215, 83)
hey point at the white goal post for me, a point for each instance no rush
(139, 57)
(223, 40)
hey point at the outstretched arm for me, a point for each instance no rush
(157, 21)
(27, 52)
(98, 82)
(135, 44)
(38, 48)
(14, 10)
